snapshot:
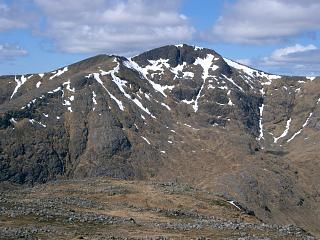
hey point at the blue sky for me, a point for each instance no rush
(278, 36)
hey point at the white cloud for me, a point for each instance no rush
(12, 17)
(266, 21)
(114, 26)
(291, 54)
(8, 51)
(294, 60)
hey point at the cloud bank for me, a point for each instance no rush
(11, 17)
(295, 60)
(8, 51)
(265, 21)
(127, 27)
(122, 26)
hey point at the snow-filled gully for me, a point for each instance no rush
(120, 84)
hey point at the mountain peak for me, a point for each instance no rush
(177, 54)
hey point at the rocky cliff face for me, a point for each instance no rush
(178, 113)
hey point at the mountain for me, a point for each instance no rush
(176, 113)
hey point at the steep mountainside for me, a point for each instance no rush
(176, 113)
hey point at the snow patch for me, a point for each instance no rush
(68, 86)
(55, 90)
(188, 101)
(197, 48)
(121, 84)
(231, 80)
(19, 82)
(96, 76)
(146, 140)
(188, 74)
(32, 121)
(230, 103)
(300, 130)
(223, 87)
(59, 73)
(211, 87)
(94, 99)
(285, 132)
(233, 204)
(252, 72)
(147, 96)
(177, 69)
(206, 64)
(260, 122)
(249, 71)
(145, 71)
(166, 106)
(66, 103)
(311, 78)
(32, 102)
(13, 121)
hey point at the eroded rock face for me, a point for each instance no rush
(178, 113)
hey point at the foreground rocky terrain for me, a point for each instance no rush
(104, 208)
(177, 113)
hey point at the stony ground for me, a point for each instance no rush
(104, 208)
